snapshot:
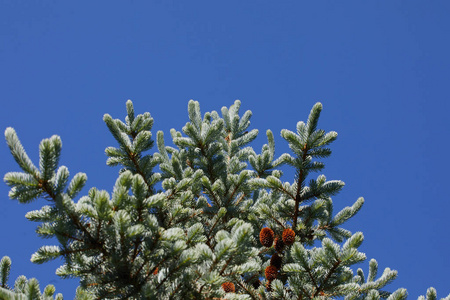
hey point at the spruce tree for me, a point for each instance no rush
(209, 218)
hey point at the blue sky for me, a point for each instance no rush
(380, 69)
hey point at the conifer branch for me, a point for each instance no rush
(46, 188)
(249, 292)
(167, 277)
(304, 293)
(226, 265)
(308, 270)
(209, 236)
(327, 277)
(300, 182)
(132, 157)
(278, 222)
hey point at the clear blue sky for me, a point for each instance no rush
(379, 67)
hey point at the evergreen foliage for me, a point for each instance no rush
(24, 289)
(207, 219)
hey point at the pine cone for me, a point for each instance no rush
(266, 237)
(276, 261)
(256, 283)
(228, 287)
(279, 245)
(288, 236)
(271, 273)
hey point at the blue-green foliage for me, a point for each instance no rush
(24, 289)
(186, 219)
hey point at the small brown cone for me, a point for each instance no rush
(276, 261)
(288, 236)
(156, 271)
(279, 245)
(228, 287)
(271, 273)
(266, 237)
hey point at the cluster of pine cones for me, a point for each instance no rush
(267, 239)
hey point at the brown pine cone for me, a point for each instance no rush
(288, 236)
(266, 237)
(271, 273)
(256, 283)
(276, 261)
(279, 245)
(228, 287)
